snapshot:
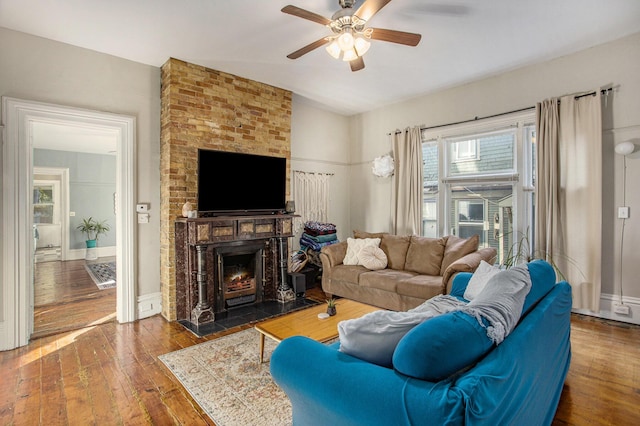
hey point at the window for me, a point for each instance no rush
(44, 204)
(465, 150)
(479, 180)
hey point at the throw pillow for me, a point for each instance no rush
(373, 337)
(373, 258)
(458, 247)
(424, 255)
(354, 245)
(441, 346)
(395, 247)
(479, 279)
(501, 301)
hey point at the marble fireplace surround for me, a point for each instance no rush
(201, 245)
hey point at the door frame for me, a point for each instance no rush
(16, 285)
(63, 174)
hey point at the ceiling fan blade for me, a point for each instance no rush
(370, 8)
(357, 64)
(308, 48)
(305, 14)
(393, 36)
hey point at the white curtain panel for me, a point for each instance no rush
(569, 192)
(311, 195)
(407, 189)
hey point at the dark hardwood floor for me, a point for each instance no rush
(109, 374)
(66, 298)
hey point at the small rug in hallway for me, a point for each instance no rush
(103, 274)
(226, 379)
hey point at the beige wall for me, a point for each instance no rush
(616, 63)
(320, 143)
(43, 70)
(33, 68)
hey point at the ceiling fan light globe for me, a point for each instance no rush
(345, 41)
(361, 45)
(349, 55)
(334, 50)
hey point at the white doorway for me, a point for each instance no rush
(20, 117)
(50, 213)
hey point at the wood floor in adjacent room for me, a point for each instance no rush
(109, 374)
(66, 298)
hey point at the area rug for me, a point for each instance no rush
(226, 379)
(103, 274)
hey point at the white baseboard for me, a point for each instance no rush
(149, 305)
(76, 254)
(607, 312)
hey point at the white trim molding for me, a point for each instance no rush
(16, 285)
(149, 305)
(606, 309)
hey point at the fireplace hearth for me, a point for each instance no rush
(228, 263)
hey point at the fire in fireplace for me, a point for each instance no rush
(240, 273)
(239, 280)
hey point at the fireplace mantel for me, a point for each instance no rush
(198, 242)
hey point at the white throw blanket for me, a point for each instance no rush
(501, 302)
(439, 305)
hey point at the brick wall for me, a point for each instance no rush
(204, 108)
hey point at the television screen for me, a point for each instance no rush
(234, 183)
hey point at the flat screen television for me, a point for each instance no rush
(234, 183)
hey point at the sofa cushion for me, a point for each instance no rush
(348, 273)
(441, 346)
(543, 278)
(479, 279)
(364, 234)
(420, 286)
(373, 337)
(354, 246)
(456, 248)
(424, 255)
(384, 279)
(395, 247)
(372, 258)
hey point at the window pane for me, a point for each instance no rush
(494, 153)
(430, 189)
(43, 213)
(484, 210)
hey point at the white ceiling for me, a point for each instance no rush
(462, 40)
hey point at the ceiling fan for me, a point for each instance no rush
(350, 38)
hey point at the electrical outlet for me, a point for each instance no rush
(621, 309)
(623, 212)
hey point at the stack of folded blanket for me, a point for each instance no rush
(317, 235)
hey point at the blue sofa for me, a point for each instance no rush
(517, 382)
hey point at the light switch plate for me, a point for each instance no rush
(143, 217)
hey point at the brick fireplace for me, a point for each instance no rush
(209, 109)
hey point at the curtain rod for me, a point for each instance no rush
(603, 91)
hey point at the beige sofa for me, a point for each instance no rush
(418, 268)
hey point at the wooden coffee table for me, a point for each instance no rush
(306, 322)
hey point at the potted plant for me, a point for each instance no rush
(331, 306)
(92, 229)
